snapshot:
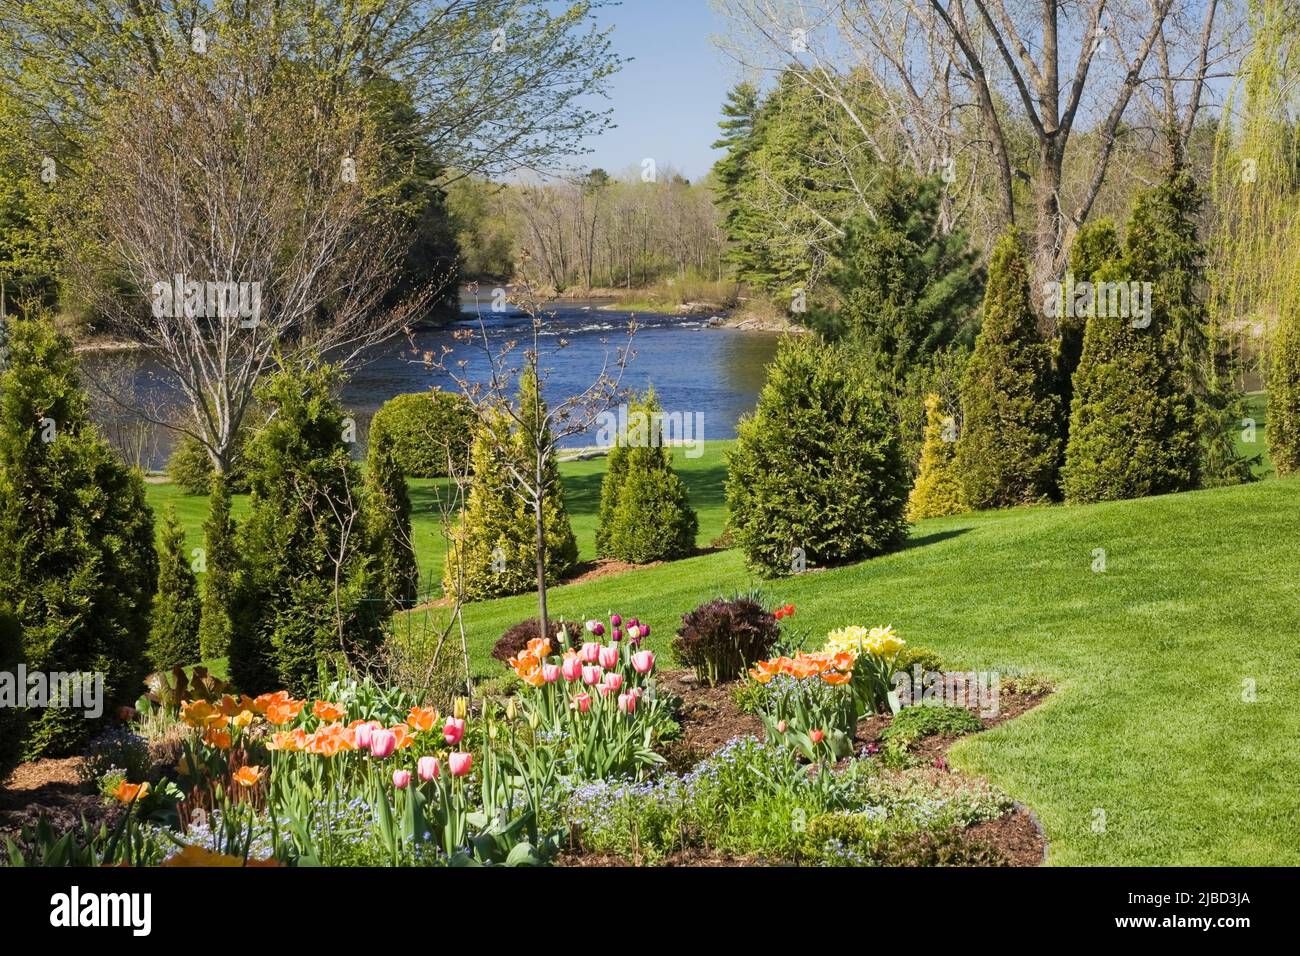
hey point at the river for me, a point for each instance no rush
(710, 375)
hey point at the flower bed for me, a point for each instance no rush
(597, 758)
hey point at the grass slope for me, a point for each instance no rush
(1148, 726)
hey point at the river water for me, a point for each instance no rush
(709, 375)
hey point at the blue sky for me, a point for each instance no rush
(667, 101)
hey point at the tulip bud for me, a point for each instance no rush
(459, 708)
(781, 725)
(510, 709)
(453, 730)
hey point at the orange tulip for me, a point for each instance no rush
(423, 719)
(403, 735)
(539, 647)
(263, 702)
(290, 741)
(836, 678)
(217, 738)
(327, 711)
(283, 711)
(126, 792)
(200, 714)
(248, 776)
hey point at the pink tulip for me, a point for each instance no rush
(614, 681)
(609, 657)
(615, 620)
(382, 742)
(817, 736)
(645, 630)
(643, 662)
(459, 763)
(453, 730)
(401, 779)
(582, 703)
(550, 673)
(590, 652)
(591, 675)
(571, 668)
(627, 703)
(427, 768)
(781, 725)
(633, 622)
(363, 733)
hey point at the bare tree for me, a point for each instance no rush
(528, 448)
(227, 219)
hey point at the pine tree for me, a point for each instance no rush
(77, 558)
(1132, 428)
(388, 522)
(938, 488)
(493, 550)
(740, 113)
(1008, 449)
(817, 476)
(1284, 396)
(907, 289)
(610, 485)
(1161, 246)
(304, 592)
(220, 561)
(1095, 245)
(174, 629)
(645, 508)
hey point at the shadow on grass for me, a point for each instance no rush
(934, 538)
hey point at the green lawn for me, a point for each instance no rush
(1148, 724)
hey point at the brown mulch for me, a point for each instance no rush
(709, 717)
(603, 568)
(1016, 836)
(51, 788)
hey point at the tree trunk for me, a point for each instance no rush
(540, 528)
